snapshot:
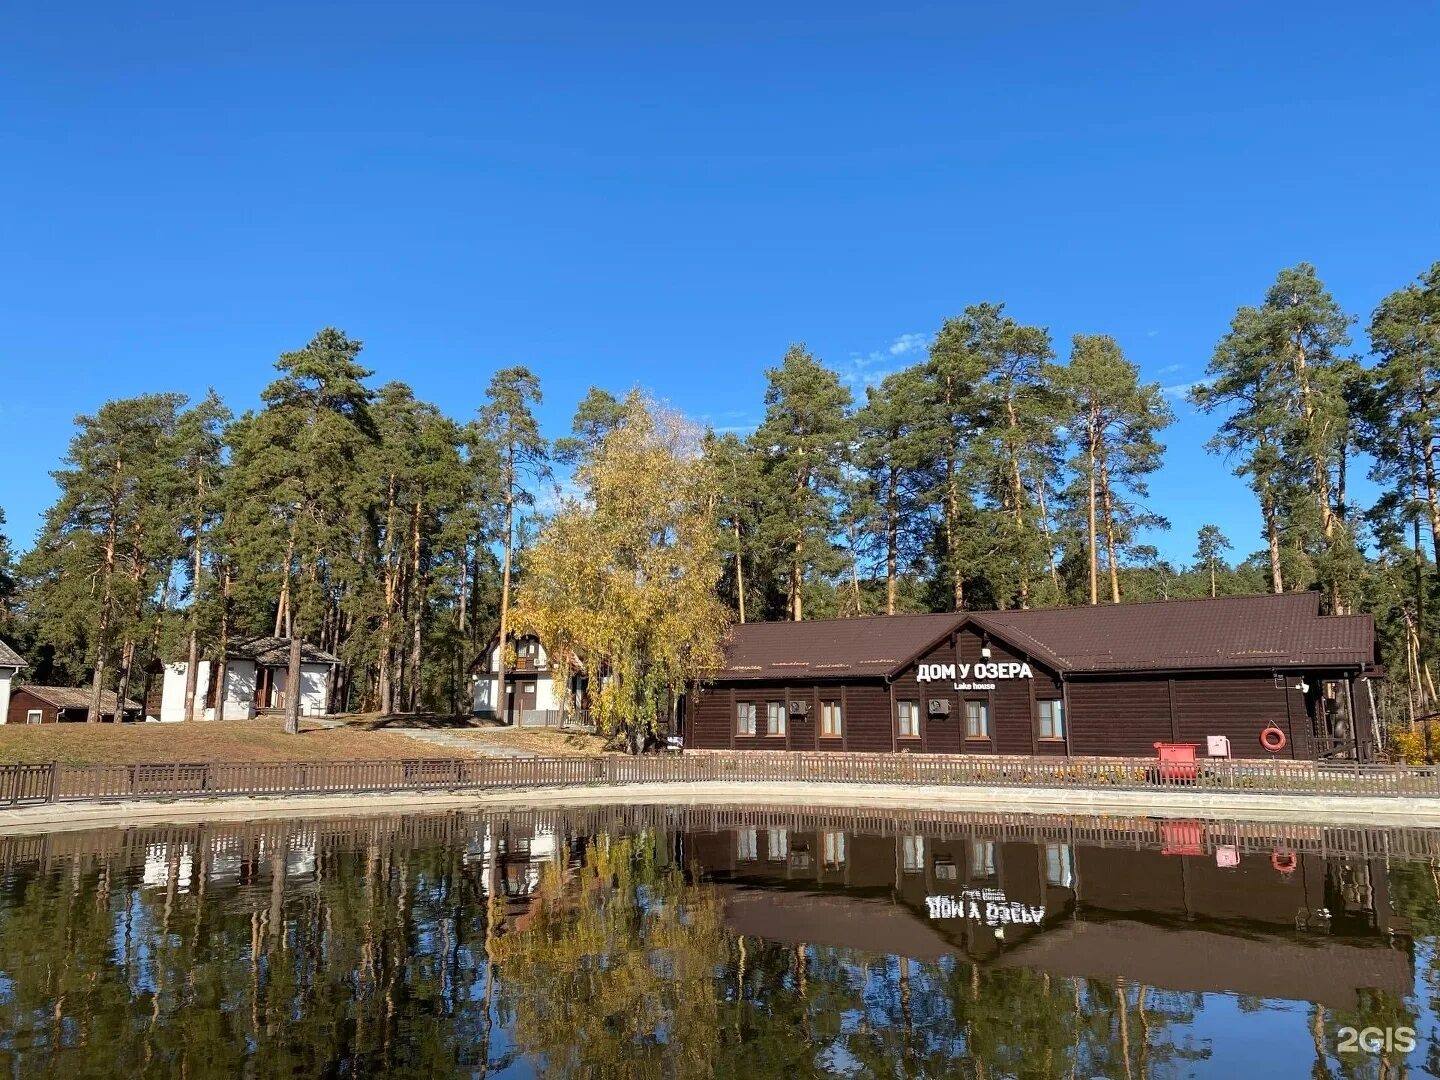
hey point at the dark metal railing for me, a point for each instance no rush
(29, 784)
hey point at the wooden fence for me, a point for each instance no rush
(28, 784)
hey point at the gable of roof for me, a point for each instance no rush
(275, 652)
(1261, 631)
(10, 658)
(75, 697)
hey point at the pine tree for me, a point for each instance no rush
(803, 442)
(1210, 547)
(1115, 419)
(898, 441)
(8, 584)
(510, 426)
(199, 457)
(1280, 377)
(298, 465)
(1013, 452)
(108, 540)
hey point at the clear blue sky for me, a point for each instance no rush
(642, 194)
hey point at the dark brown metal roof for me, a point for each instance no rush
(1285, 630)
(1265, 631)
(830, 648)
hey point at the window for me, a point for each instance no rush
(913, 854)
(1059, 864)
(775, 718)
(1052, 719)
(982, 858)
(830, 722)
(747, 847)
(834, 850)
(977, 719)
(909, 717)
(34, 716)
(744, 718)
(777, 845)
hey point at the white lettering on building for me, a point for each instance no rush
(1007, 669)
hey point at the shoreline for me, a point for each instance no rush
(1308, 809)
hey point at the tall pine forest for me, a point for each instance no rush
(1003, 470)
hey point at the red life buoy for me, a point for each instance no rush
(1273, 739)
(1284, 861)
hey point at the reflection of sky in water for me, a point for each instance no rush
(189, 906)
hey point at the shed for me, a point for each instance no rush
(31, 704)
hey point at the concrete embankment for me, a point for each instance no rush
(1310, 809)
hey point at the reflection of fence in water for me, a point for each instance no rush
(472, 831)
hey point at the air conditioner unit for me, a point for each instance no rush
(939, 707)
(799, 708)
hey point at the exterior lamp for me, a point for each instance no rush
(1302, 685)
(985, 650)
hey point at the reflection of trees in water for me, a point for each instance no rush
(389, 959)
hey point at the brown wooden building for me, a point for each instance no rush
(1091, 681)
(32, 704)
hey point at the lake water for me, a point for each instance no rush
(731, 942)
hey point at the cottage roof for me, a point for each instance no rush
(10, 658)
(75, 697)
(1265, 631)
(275, 651)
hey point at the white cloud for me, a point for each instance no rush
(1180, 390)
(1170, 369)
(861, 371)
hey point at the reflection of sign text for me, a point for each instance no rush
(989, 906)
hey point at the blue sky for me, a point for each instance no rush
(668, 197)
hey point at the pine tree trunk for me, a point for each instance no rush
(503, 702)
(224, 645)
(892, 541)
(292, 687)
(1090, 523)
(102, 630)
(739, 569)
(952, 531)
(1272, 531)
(192, 663)
(796, 570)
(1108, 512)
(418, 591)
(282, 608)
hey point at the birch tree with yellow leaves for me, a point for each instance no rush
(622, 580)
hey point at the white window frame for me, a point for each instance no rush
(1056, 709)
(834, 849)
(777, 844)
(983, 712)
(745, 718)
(1059, 865)
(775, 718)
(913, 854)
(34, 716)
(747, 845)
(907, 719)
(832, 720)
(982, 858)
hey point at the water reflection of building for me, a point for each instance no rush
(1293, 925)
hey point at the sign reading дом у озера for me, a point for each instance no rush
(973, 676)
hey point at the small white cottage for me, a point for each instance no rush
(533, 692)
(256, 672)
(10, 664)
